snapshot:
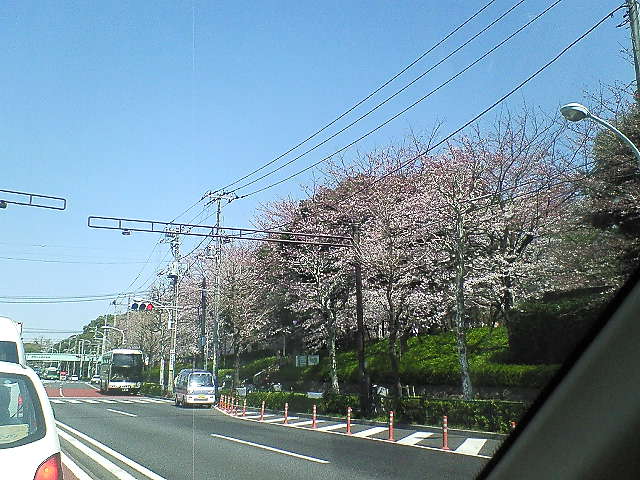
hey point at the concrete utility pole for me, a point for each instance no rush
(363, 380)
(215, 360)
(203, 323)
(634, 23)
(174, 275)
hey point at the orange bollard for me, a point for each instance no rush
(348, 420)
(244, 407)
(391, 439)
(286, 413)
(314, 423)
(445, 434)
(262, 411)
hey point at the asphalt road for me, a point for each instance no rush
(200, 443)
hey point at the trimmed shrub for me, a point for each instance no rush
(487, 415)
(153, 389)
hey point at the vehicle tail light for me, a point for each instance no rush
(50, 469)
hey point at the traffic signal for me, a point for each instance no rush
(142, 306)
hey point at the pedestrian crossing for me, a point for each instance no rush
(483, 447)
(78, 401)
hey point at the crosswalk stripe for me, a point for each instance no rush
(124, 401)
(52, 400)
(370, 431)
(414, 438)
(306, 422)
(86, 400)
(104, 400)
(471, 446)
(72, 401)
(332, 427)
(281, 419)
(136, 400)
(155, 400)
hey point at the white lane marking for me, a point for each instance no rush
(122, 413)
(369, 431)
(280, 419)
(414, 438)
(74, 468)
(332, 427)
(306, 422)
(69, 400)
(471, 446)
(86, 400)
(113, 453)
(96, 457)
(55, 401)
(271, 449)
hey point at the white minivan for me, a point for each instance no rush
(29, 446)
(11, 347)
(195, 387)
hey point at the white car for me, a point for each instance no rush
(11, 347)
(29, 446)
(73, 378)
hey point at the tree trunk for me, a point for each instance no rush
(459, 315)
(396, 388)
(333, 364)
(236, 362)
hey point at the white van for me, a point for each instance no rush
(195, 387)
(29, 445)
(11, 347)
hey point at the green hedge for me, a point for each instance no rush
(300, 403)
(151, 389)
(486, 415)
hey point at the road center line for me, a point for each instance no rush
(271, 449)
(74, 468)
(110, 451)
(96, 457)
(122, 413)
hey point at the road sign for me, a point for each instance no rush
(313, 359)
(301, 360)
(60, 357)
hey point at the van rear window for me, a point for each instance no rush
(8, 351)
(21, 418)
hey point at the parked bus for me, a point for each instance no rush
(121, 369)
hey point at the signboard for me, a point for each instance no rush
(59, 357)
(301, 360)
(313, 359)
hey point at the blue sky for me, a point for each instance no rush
(121, 109)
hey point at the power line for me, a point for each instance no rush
(76, 262)
(386, 100)
(360, 102)
(488, 109)
(402, 112)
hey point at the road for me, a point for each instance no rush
(120, 437)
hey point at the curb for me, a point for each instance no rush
(406, 426)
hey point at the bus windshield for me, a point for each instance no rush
(127, 360)
(201, 380)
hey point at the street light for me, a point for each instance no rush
(574, 112)
(107, 327)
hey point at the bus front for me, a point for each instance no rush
(126, 371)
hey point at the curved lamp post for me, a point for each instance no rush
(107, 327)
(574, 112)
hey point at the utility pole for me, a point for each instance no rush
(215, 360)
(203, 322)
(363, 380)
(174, 275)
(634, 23)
